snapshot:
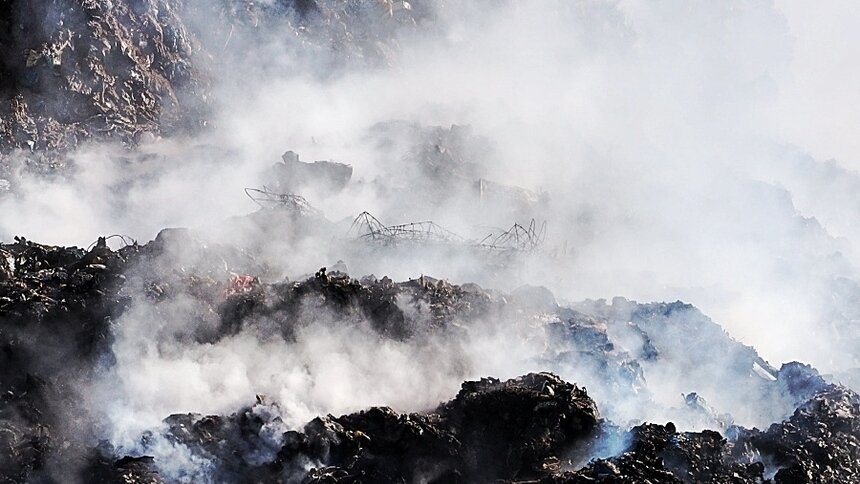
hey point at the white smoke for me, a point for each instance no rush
(672, 139)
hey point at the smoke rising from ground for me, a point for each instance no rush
(681, 146)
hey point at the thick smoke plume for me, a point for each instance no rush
(659, 132)
(696, 152)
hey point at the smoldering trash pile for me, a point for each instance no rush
(61, 307)
(416, 318)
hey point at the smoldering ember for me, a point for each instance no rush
(347, 241)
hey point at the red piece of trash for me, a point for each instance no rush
(240, 284)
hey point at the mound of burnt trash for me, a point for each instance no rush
(56, 307)
(528, 429)
(491, 430)
(71, 71)
(60, 308)
(122, 70)
(818, 443)
(379, 301)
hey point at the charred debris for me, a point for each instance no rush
(518, 238)
(438, 153)
(127, 71)
(441, 157)
(59, 307)
(123, 71)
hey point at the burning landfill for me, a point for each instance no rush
(499, 146)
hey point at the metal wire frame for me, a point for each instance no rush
(125, 239)
(267, 198)
(518, 238)
(368, 227)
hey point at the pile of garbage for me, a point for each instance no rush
(528, 429)
(73, 71)
(56, 308)
(491, 430)
(818, 443)
(332, 34)
(60, 307)
(585, 408)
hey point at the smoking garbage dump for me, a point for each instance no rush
(257, 345)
